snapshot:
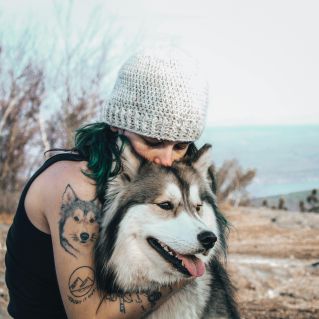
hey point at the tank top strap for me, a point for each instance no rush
(66, 156)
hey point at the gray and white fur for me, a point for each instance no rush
(173, 206)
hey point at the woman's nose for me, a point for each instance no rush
(164, 156)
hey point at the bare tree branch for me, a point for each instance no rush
(232, 181)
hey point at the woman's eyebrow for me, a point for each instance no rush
(152, 139)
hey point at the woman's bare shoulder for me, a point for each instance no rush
(57, 176)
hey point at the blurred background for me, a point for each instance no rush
(58, 63)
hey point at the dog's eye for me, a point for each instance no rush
(199, 207)
(76, 218)
(166, 205)
(92, 220)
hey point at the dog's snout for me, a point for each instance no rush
(84, 236)
(207, 239)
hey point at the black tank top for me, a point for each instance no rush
(30, 270)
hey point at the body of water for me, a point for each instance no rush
(286, 157)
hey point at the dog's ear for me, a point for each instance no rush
(68, 195)
(203, 159)
(131, 163)
(202, 162)
(212, 176)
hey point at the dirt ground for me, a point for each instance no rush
(272, 261)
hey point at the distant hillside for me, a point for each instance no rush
(291, 200)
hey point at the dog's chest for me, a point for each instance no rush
(188, 303)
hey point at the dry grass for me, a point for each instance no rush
(6, 218)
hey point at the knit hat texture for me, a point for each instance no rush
(160, 94)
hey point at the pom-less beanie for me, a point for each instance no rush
(160, 94)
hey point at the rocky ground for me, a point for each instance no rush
(272, 260)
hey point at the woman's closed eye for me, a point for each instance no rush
(181, 146)
(153, 142)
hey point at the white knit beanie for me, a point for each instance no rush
(160, 94)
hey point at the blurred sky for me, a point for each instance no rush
(261, 57)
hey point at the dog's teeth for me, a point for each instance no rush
(183, 263)
(167, 249)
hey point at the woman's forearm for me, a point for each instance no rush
(134, 305)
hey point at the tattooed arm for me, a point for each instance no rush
(133, 305)
(126, 305)
(72, 218)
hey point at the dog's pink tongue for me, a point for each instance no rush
(194, 265)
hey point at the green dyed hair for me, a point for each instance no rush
(97, 144)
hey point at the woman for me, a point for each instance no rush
(158, 103)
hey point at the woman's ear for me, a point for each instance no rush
(116, 129)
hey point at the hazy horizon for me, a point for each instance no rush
(286, 157)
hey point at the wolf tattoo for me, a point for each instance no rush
(164, 223)
(79, 223)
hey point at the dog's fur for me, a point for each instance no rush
(134, 211)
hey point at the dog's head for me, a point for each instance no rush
(160, 223)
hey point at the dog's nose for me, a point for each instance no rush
(207, 239)
(84, 236)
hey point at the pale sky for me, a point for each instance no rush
(261, 56)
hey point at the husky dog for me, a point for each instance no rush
(160, 225)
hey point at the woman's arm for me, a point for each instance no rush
(71, 217)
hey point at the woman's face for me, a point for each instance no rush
(157, 151)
